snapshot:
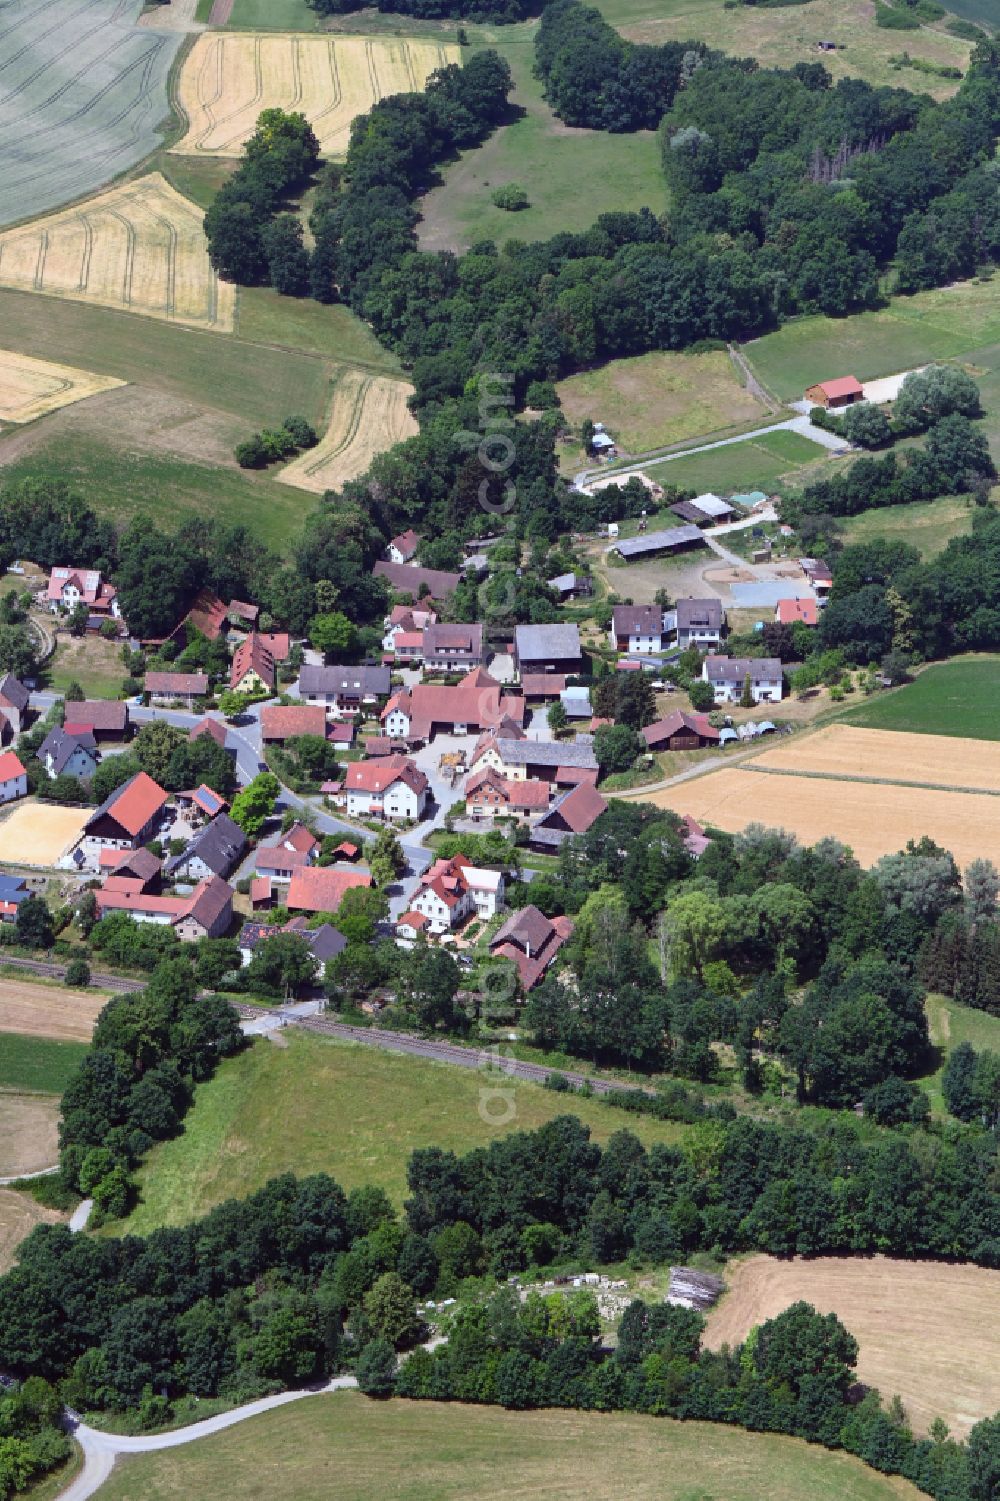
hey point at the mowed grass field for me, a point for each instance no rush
(950, 1024)
(368, 413)
(32, 388)
(139, 247)
(660, 398)
(229, 77)
(763, 463)
(28, 1135)
(53, 1013)
(779, 41)
(959, 698)
(83, 95)
(165, 443)
(934, 325)
(343, 1447)
(351, 1111)
(36, 1063)
(570, 175)
(926, 1331)
(926, 525)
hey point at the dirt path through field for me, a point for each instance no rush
(926, 1330)
(221, 12)
(28, 1135)
(49, 1011)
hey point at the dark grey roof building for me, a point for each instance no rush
(216, 850)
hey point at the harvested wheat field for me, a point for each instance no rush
(368, 415)
(53, 1011)
(139, 248)
(841, 750)
(228, 78)
(925, 1330)
(36, 834)
(874, 820)
(19, 1214)
(28, 1133)
(32, 388)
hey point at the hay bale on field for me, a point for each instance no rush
(693, 1289)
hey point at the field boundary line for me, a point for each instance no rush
(847, 776)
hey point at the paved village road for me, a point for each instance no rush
(100, 1449)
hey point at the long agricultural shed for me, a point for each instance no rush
(673, 539)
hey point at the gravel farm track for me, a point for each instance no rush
(83, 90)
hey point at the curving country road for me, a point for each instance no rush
(100, 1449)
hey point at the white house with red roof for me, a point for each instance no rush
(476, 703)
(69, 587)
(13, 778)
(405, 620)
(128, 817)
(206, 913)
(403, 549)
(452, 891)
(387, 787)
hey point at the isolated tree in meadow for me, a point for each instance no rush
(702, 696)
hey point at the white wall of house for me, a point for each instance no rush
(698, 636)
(763, 693)
(13, 788)
(397, 725)
(440, 917)
(79, 765)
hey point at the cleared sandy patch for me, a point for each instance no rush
(368, 415)
(927, 1331)
(873, 820)
(31, 388)
(35, 834)
(19, 1214)
(49, 1010)
(843, 750)
(28, 1135)
(228, 78)
(139, 248)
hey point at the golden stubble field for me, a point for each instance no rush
(368, 414)
(841, 750)
(28, 1133)
(53, 1011)
(925, 1330)
(874, 818)
(19, 1214)
(138, 248)
(32, 388)
(228, 78)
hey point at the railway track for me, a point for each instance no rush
(46, 971)
(490, 1059)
